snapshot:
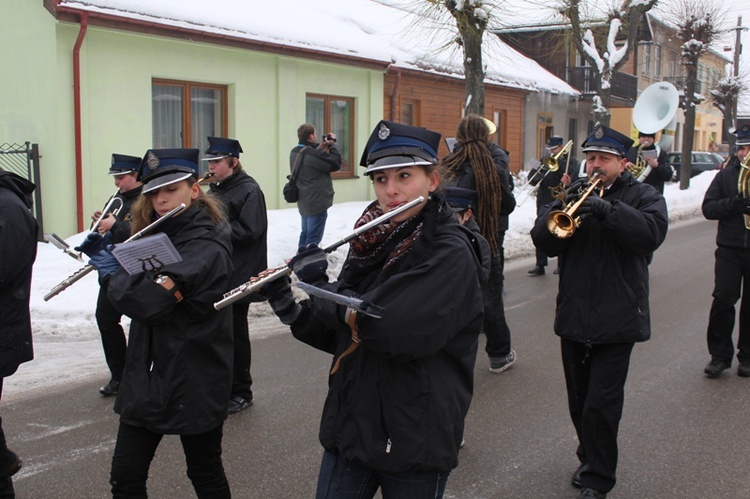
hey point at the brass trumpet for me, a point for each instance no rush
(549, 164)
(641, 168)
(205, 178)
(743, 184)
(563, 223)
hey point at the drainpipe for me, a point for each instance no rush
(77, 117)
(394, 93)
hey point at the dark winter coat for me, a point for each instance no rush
(121, 228)
(314, 178)
(399, 400)
(604, 283)
(552, 179)
(464, 178)
(18, 230)
(246, 211)
(719, 204)
(178, 370)
(663, 171)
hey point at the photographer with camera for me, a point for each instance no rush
(315, 163)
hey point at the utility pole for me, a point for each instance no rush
(737, 51)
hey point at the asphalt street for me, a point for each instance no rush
(682, 435)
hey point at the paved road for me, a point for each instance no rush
(682, 435)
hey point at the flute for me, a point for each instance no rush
(84, 271)
(269, 275)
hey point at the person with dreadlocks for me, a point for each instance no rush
(400, 384)
(471, 166)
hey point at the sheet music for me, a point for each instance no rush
(147, 253)
(650, 154)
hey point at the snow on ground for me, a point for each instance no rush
(66, 339)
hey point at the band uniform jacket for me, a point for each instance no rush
(399, 400)
(178, 370)
(603, 293)
(121, 228)
(245, 207)
(717, 205)
(314, 178)
(552, 179)
(18, 246)
(658, 175)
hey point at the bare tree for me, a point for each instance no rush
(698, 25)
(724, 97)
(602, 52)
(472, 18)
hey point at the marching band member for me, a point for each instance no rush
(655, 157)
(245, 208)
(723, 202)
(547, 179)
(124, 170)
(178, 373)
(603, 300)
(400, 385)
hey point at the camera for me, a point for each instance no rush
(328, 138)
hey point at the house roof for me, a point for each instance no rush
(366, 32)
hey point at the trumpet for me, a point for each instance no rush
(549, 164)
(563, 223)
(205, 178)
(743, 184)
(86, 270)
(108, 208)
(257, 282)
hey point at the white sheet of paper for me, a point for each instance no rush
(147, 253)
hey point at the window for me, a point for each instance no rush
(673, 66)
(498, 118)
(647, 58)
(573, 129)
(334, 114)
(185, 113)
(410, 112)
(657, 60)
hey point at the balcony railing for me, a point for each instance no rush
(624, 86)
(679, 83)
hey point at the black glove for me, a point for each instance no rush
(596, 206)
(310, 264)
(281, 299)
(573, 192)
(94, 243)
(741, 205)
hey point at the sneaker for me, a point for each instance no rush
(500, 364)
(715, 368)
(588, 493)
(743, 369)
(536, 271)
(238, 403)
(110, 388)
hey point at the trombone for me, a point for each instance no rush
(549, 164)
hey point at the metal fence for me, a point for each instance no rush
(23, 160)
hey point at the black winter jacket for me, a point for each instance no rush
(552, 179)
(604, 283)
(398, 401)
(245, 206)
(719, 204)
(18, 245)
(314, 178)
(178, 370)
(121, 228)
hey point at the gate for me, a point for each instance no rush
(23, 160)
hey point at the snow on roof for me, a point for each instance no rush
(389, 31)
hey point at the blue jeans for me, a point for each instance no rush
(340, 479)
(313, 227)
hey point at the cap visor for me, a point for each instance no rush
(116, 173)
(608, 150)
(214, 156)
(742, 142)
(163, 180)
(396, 162)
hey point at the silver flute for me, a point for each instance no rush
(84, 271)
(269, 275)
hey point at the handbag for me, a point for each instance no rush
(290, 190)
